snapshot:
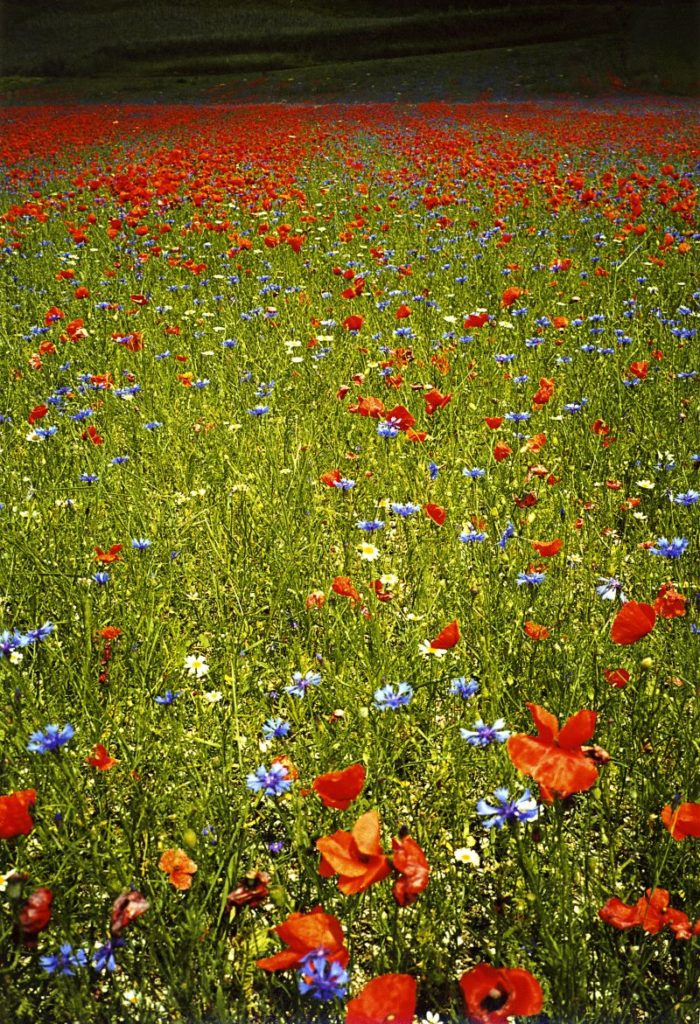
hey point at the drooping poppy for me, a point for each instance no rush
(356, 856)
(303, 933)
(494, 994)
(652, 912)
(414, 870)
(35, 915)
(388, 999)
(178, 867)
(126, 908)
(339, 789)
(435, 400)
(342, 586)
(15, 819)
(683, 821)
(632, 622)
(554, 757)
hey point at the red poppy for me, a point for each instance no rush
(369, 406)
(639, 369)
(494, 994)
(37, 413)
(547, 549)
(545, 391)
(652, 912)
(178, 867)
(669, 603)
(413, 868)
(126, 908)
(632, 622)
(341, 585)
(554, 757)
(331, 478)
(501, 451)
(107, 557)
(536, 631)
(302, 933)
(493, 422)
(35, 915)
(388, 999)
(15, 819)
(446, 638)
(110, 632)
(510, 295)
(415, 435)
(353, 322)
(476, 320)
(100, 759)
(435, 400)
(356, 857)
(339, 789)
(618, 677)
(402, 312)
(435, 512)
(683, 821)
(400, 416)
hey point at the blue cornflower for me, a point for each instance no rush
(464, 688)
(369, 525)
(51, 740)
(574, 407)
(84, 414)
(88, 478)
(483, 735)
(168, 698)
(35, 636)
(474, 473)
(101, 578)
(276, 847)
(532, 579)
(322, 978)
(472, 536)
(63, 961)
(209, 833)
(505, 810)
(274, 782)
(517, 417)
(343, 484)
(303, 682)
(8, 643)
(44, 432)
(275, 729)
(153, 425)
(433, 470)
(103, 958)
(389, 697)
(687, 499)
(405, 510)
(610, 588)
(119, 460)
(506, 536)
(670, 549)
(388, 429)
(140, 544)
(259, 410)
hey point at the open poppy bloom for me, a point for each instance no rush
(339, 789)
(651, 912)
(342, 586)
(493, 422)
(669, 603)
(400, 417)
(632, 622)
(356, 857)
(100, 759)
(388, 999)
(331, 478)
(302, 934)
(107, 557)
(547, 549)
(178, 867)
(554, 757)
(501, 451)
(413, 868)
(435, 512)
(15, 819)
(618, 677)
(494, 994)
(683, 821)
(446, 638)
(535, 630)
(435, 400)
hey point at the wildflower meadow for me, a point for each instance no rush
(350, 575)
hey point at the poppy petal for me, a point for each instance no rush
(632, 622)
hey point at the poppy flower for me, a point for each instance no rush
(494, 994)
(476, 320)
(669, 603)
(353, 322)
(435, 400)
(632, 622)
(178, 867)
(652, 912)
(415, 435)
(413, 868)
(447, 638)
(536, 442)
(493, 422)
(618, 677)
(547, 549)
(35, 915)
(339, 789)
(545, 391)
(100, 759)
(304, 933)
(535, 631)
(15, 819)
(501, 451)
(107, 557)
(683, 821)
(400, 416)
(435, 512)
(554, 757)
(251, 891)
(388, 998)
(356, 857)
(316, 599)
(37, 413)
(331, 478)
(510, 295)
(341, 585)
(369, 406)
(126, 908)
(110, 632)
(402, 312)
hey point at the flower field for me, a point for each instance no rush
(350, 582)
